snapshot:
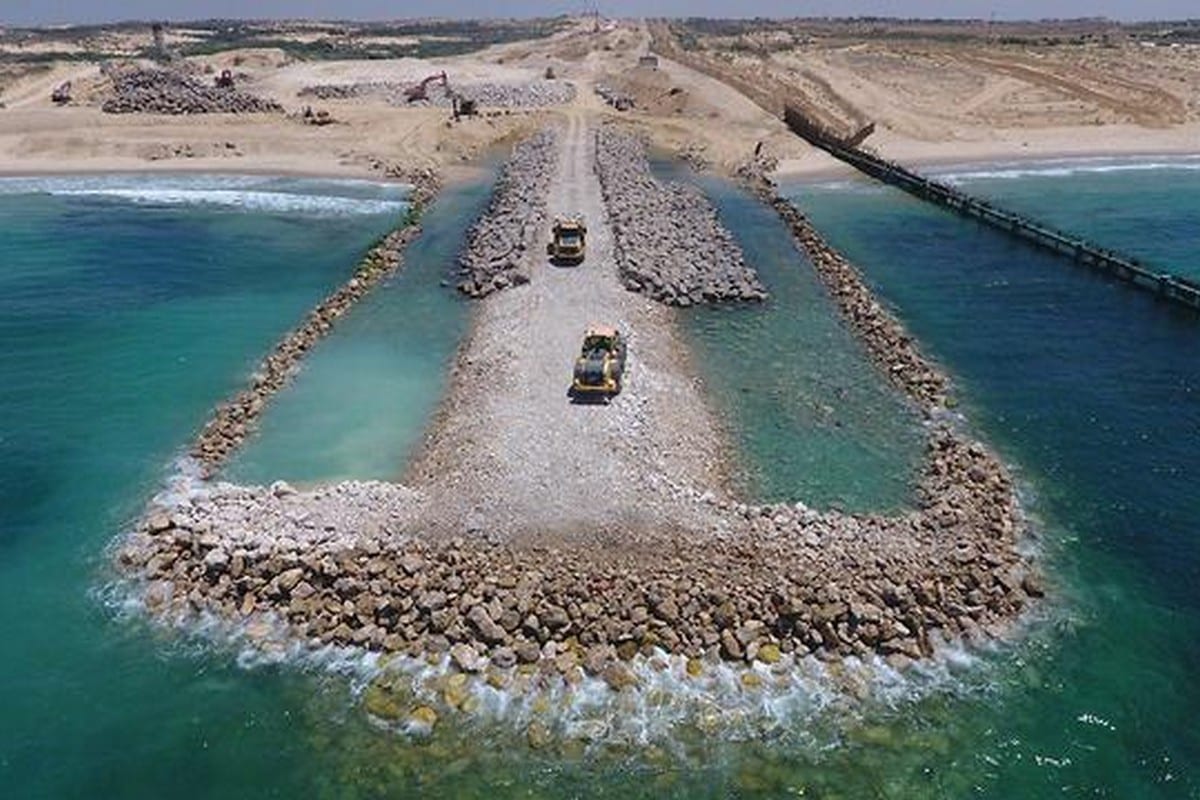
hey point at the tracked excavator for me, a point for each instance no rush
(418, 92)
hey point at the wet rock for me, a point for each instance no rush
(423, 718)
(383, 703)
(504, 657)
(538, 735)
(731, 648)
(769, 654)
(158, 523)
(618, 676)
(465, 658)
(528, 652)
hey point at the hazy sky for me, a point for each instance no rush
(27, 12)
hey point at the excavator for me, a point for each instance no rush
(61, 94)
(418, 92)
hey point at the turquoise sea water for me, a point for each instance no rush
(128, 307)
(358, 408)
(814, 420)
(1137, 208)
(811, 418)
(128, 311)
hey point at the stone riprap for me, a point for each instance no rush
(162, 91)
(338, 566)
(669, 243)
(534, 94)
(372, 565)
(495, 256)
(233, 420)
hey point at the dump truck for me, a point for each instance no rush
(600, 367)
(568, 241)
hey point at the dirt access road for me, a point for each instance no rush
(510, 454)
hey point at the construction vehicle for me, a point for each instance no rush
(568, 240)
(600, 368)
(224, 80)
(418, 92)
(62, 94)
(463, 106)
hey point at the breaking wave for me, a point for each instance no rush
(1061, 168)
(311, 196)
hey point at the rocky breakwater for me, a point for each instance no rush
(669, 243)
(161, 91)
(341, 565)
(234, 419)
(495, 256)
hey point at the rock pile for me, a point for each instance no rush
(889, 345)
(161, 91)
(498, 243)
(234, 419)
(615, 97)
(669, 243)
(534, 94)
(336, 567)
(349, 91)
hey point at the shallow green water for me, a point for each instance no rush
(812, 417)
(361, 403)
(120, 335)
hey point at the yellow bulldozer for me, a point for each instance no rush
(600, 367)
(568, 242)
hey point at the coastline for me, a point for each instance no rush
(940, 156)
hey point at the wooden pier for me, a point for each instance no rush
(1171, 287)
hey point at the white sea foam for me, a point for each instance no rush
(956, 174)
(667, 704)
(250, 201)
(309, 196)
(1061, 168)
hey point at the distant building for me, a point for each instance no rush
(648, 61)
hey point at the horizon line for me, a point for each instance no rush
(485, 18)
